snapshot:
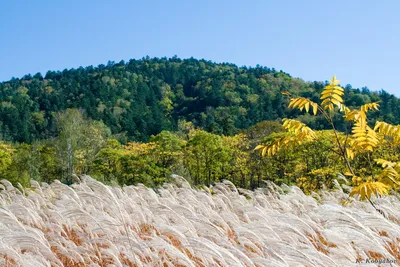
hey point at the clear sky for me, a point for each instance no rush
(357, 40)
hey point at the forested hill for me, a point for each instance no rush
(143, 97)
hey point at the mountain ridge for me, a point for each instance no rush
(143, 97)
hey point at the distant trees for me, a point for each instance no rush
(85, 146)
(144, 97)
(78, 142)
(6, 153)
(205, 157)
(142, 120)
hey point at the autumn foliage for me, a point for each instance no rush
(363, 142)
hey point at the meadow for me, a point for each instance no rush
(91, 224)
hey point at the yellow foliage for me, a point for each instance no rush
(6, 148)
(370, 106)
(6, 153)
(299, 129)
(390, 177)
(390, 173)
(298, 134)
(360, 116)
(388, 130)
(355, 115)
(363, 141)
(307, 184)
(356, 180)
(349, 153)
(303, 103)
(139, 148)
(386, 163)
(345, 142)
(332, 95)
(316, 178)
(368, 189)
(364, 137)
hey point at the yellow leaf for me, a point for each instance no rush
(258, 147)
(307, 106)
(315, 108)
(264, 151)
(334, 81)
(368, 189)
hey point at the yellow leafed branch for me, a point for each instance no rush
(299, 133)
(360, 115)
(368, 189)
(370, 106)
(389, 176)
(303, 103)
(386, 163)
(332, 95)
(299, 129)
(388, 130)
(364, 137)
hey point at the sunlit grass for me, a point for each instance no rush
(89, 223)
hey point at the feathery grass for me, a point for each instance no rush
(93, 224)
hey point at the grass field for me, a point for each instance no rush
(90, 224)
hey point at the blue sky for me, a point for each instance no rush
(357, 40)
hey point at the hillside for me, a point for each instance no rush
(143, 97)
(318, 188)
(93, 224)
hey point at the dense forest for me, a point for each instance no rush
(141, 121)
(141, 98)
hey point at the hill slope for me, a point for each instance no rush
(143, 97)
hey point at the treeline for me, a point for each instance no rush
(85, 146)
(141, 98)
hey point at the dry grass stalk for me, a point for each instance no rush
(92, 224)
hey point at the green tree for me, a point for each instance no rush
(107, 164)
(78, 142)
(6, 153)
(138, 165)
(205, 156)
(168, 150)
(237, 165)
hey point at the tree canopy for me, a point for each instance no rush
(143, 97)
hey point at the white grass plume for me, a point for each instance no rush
(90, 224)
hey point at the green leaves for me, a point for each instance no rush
(6, 153)
(78, 141)
(205, 156)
